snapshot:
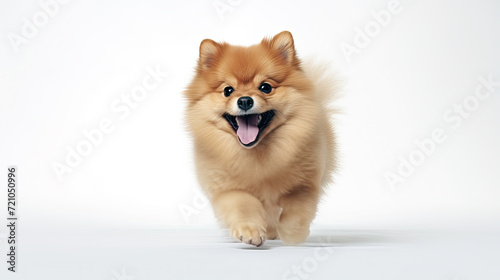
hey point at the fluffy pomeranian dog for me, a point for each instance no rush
(264, 145)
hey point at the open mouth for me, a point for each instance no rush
(249, 127)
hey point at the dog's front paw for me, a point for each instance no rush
(272, 233)
(249, 233)
(292, 234)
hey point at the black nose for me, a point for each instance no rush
(245, 103)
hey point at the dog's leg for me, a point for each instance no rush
(273, 212)
(299, 209)
(243, 214)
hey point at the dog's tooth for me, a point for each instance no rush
(259, 119)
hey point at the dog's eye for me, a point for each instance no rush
(228, 91)
(265, 88)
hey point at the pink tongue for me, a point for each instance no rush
(247, 128)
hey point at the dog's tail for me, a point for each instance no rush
(326, 81)
(327, 85)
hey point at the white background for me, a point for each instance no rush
(64, 79)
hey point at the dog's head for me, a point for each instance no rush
(246, 93)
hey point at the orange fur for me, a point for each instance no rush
(271, 189)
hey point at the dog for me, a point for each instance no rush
(263, 139)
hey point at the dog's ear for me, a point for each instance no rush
(209, 50)
(283, 44)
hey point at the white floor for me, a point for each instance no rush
(210, 254)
